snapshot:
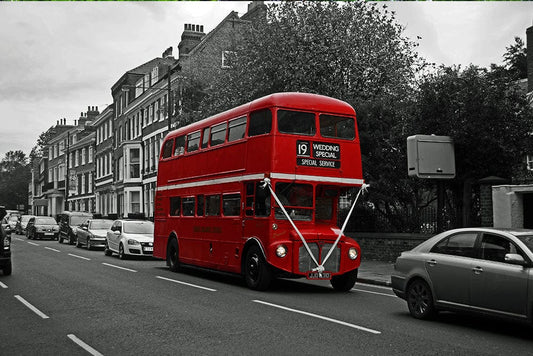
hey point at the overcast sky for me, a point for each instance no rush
(58, 58)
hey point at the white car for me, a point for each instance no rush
(130, 238)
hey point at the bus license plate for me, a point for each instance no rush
(151, 249)
(316, 275)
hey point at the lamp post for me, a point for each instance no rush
(171, 70)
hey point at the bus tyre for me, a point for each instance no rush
(173, 261)
(257, 273)
(344, 282)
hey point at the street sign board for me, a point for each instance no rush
(431, 157)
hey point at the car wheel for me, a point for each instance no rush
(121, 253)
(420, 300)
(78, 243)
(70, 240)
(8, 269)
(172, 256)
(88, 245)
(257, 273)
(344, 282)
(107, 251)
(60, 239)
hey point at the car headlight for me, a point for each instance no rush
(352, 253)
(7, 243)
(281, 251)
(133, 242)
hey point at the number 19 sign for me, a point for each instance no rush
(318, 154)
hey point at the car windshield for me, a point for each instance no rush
(25, 218)
(527, 240)
(100, 224)
(45, 221)
(13, 218)
(77, 220)
(138, 227)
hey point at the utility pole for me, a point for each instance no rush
(67, 178)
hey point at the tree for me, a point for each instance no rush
(353, 51)
(488, 118)
(14, 177)
(515, 59)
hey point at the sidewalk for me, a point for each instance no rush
(375, 272)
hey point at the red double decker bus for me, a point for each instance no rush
(255, 190)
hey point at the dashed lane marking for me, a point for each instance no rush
(31, 307)
(114, 266)
(340, 322)
(80, 257)
(83, 345)
(187, 284)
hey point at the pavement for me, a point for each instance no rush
(375, 272)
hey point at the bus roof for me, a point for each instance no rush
(290, 100)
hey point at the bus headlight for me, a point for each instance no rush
(352, 253)
(281, 251)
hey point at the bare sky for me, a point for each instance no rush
(58, 58)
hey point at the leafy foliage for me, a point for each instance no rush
(14, 178)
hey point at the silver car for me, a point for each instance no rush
(482, 270)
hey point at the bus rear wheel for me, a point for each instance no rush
(173, 260)
(257, 273)
(344, 282)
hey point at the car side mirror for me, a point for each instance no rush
(116, 232)
(515, 259)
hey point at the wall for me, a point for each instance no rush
(385, 246)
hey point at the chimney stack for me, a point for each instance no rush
(192, 35)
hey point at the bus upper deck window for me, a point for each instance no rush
(260, 122)
(337, 127)
(296, 122)
(179, 148)
(205, 137)
(167, 148)
(193, 141)
(218, 134)
(237, 128)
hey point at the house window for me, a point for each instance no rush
(227, 57)
(135, 202)
(134, 163)
(529, 162)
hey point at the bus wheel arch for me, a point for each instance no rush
(256, 271)
(173, 261)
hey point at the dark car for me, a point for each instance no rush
(5, 246)
(481, 270)
(93, 233)
(41, 227)
(69, 221)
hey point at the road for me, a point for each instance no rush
(63, 300)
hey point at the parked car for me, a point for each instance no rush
(482, 270)
(92, 233)
(40, 227)
(5, 247)
(130, 237)
(20, 229)
(68, 224)
(11, 222)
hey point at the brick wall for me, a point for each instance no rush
(386, 246)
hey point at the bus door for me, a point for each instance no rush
(257, 205)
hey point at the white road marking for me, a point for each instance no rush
(374, 286)
(83, 345)
(18, 238)
(320, 317)
(33, 243)
(31, 307)
(369, 291)
(3, 285)
(80, 257)
(52, 249)
(187, 284)
(114, 266)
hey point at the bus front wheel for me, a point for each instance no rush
(257, 273)
(344, 282)
(173, 260)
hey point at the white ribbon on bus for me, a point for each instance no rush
(320, 267)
